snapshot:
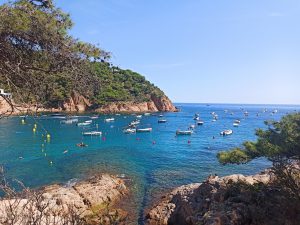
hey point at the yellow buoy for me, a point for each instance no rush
(34, 130)
(23, 121)
(35, 126)
(48, 136)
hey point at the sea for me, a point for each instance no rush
(154, 162)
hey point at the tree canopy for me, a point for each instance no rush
(281, 141)
(37, 53)
(40, 63)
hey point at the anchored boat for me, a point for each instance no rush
(92, 133)
(162, 121)
(226, 132)
(184, 132)
(144, 130)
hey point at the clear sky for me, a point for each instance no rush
(197, 50)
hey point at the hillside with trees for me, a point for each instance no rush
(42, 65)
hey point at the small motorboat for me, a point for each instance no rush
(147, 114)
(139, 116)
(237, 121)
(161, 115)
(200, 123)
(134, 123)
(86, 123)
(192, 127)
(109, 120)
(92, 133)
(162, 121)
(184, 132)
(197, 116)
(69, 121)
(94, 117)
(236, 124)
(226, 132)
(129, 131)
(144, 130)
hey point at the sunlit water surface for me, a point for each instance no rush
(155, 162)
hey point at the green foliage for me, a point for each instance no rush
(281, 141)
(41, 63)
(122, 85)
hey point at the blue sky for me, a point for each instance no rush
(200, 51)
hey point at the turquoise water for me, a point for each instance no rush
(154, 161)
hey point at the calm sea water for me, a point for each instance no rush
(155, 161)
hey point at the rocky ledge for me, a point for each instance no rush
(83, 199)
(205, 203)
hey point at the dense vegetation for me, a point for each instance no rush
(122, 85)
(40, 63)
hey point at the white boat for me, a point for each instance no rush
(192, 126)
(86, 123)
(129, 131)
(200, 123)
(162, 121)
(197, 116)
(144, 130)
(92, 133)
(214, 120)
(184, 132)
(226, 132)
(237, 121)
(236, 124)
(134, 123)
(161, 115)
(69, 121)
(139, 116)
(147, 114)
(109, 120)
(94, 117)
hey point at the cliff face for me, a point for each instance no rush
(162, 104)
(78, 103)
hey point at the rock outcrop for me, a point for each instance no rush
(80, 199)
(5, 108)
(78, 103)
(156, 104)
(205, 203)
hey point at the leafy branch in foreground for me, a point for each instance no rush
(280, 143)
(37, 53)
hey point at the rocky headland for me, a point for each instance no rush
(79, 104)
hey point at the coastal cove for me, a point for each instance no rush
(154, 162)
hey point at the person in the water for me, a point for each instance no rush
(81, 145)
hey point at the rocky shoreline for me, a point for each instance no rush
(79, 104)
(205, 203)
(88, 199)
(216, 201)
